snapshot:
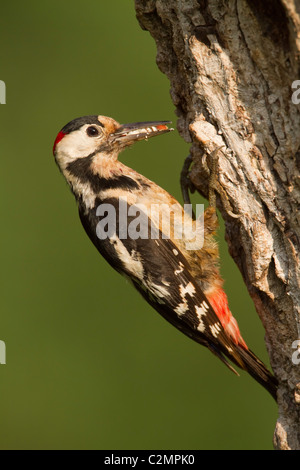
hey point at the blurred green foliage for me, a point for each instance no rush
(89, 363)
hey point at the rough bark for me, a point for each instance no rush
(231, 65)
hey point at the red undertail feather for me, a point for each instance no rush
(219, 302)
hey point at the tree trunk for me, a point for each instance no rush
(232, 64)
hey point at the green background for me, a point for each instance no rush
(89, 364)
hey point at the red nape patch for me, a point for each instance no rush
(59, 136)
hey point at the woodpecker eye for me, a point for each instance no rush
(92, 131)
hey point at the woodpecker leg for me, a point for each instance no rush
(210, 216)
(185, 182)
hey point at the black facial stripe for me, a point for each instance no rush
(77, 123)
(81, 169)
(143, 184)
(120, 182)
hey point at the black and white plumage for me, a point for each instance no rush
(183, 285)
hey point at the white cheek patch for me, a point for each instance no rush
(75, 145)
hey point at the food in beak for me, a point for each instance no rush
(128, 133)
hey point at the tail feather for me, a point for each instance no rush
(221, 356)
(240, 355)
(256, 368)
(248, 361)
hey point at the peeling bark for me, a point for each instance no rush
(231, 65)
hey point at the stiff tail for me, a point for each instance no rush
(256, 368)
(241, 355)
(248, 361)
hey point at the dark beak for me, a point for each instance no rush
(127, 134)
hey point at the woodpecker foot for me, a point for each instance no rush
(214, 185)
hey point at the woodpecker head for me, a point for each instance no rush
(89, 136)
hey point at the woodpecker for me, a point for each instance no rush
(181, 283)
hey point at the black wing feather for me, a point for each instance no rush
(159, 265)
